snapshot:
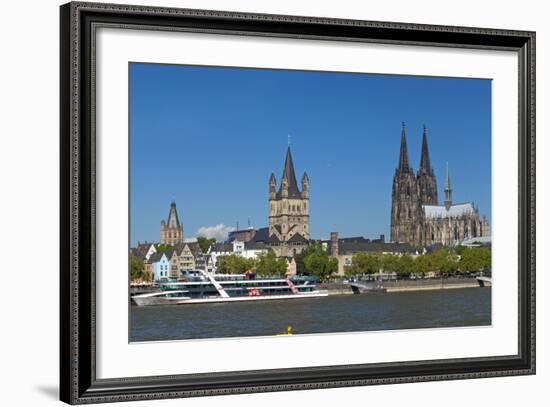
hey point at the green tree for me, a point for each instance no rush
(421, 265)
(475, 259)
(268, 264)
(461, 249)
(363, 263)
(486, 257)
(163, 247)
(137, 269)
(404, 265)
(205, 243)
(389, 263)
(233, 264)
(299, 258)
(349, 271)
(320, 264)
(444, 261)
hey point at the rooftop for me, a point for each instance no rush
(440, 211)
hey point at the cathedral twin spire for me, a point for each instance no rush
(425, 155)
(425, 164)
(427, 184)
(403, 153)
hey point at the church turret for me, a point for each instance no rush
(305, 186)
(427, 183)
(448, 190)
(272, 187)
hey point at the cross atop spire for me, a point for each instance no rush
(425, 154)
(403, 164)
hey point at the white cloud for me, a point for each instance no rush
(219, 232)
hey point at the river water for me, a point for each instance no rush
(345, 313)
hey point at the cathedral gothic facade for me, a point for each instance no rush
(416, 216)
(288, 211)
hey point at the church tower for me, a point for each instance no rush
(406, 211)
(427, 183)
(289, 207)
(171, 231)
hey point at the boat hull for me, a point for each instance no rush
(484, 281)
(366, 289)
(141, 301)
(183, 301)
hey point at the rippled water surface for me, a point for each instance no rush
(346, 313)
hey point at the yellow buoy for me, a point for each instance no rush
(288, 331)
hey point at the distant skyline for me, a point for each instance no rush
(209, 138)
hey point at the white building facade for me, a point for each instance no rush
(160, 266)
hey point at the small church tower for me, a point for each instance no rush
(427, 183)
(289, 207)
(171, 231)
(305, 186)
(406, 211)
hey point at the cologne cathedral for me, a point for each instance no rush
(417, 217)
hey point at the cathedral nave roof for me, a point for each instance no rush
(440, 211)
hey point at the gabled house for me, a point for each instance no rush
(143, 251)
(174, 261)
(160, 265)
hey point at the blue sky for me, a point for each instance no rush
(209, 138)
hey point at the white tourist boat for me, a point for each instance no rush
(202, 287)
(161, 298)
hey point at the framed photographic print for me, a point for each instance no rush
(255, 203)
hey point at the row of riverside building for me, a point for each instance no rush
(418, 223)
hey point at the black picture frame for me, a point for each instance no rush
(78, 382)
